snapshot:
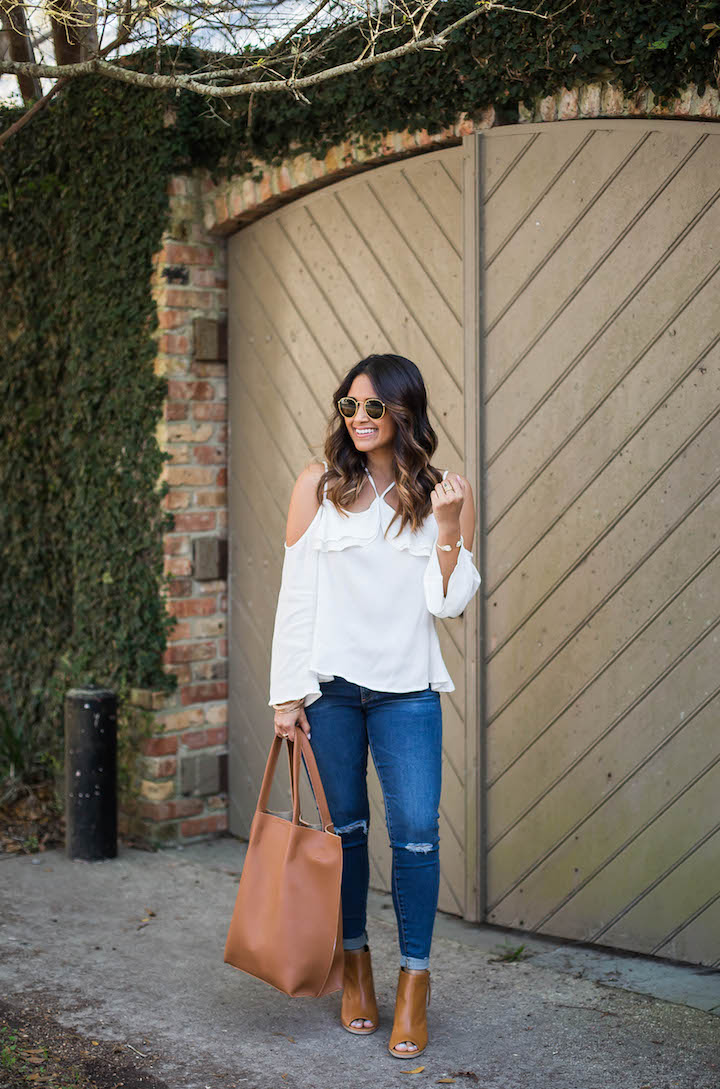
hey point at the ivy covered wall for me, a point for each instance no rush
(82, 208)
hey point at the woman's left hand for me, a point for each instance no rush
(447, 502)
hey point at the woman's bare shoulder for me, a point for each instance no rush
(316, 468)
(304, 502)
(310, 475)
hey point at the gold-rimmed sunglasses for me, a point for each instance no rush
(374, 407)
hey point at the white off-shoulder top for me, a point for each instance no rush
(357, 605)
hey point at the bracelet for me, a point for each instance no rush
(449, 548)
(289, 705)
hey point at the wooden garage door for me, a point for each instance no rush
(601, 375)
(369, 264)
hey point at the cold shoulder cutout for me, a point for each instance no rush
(300, 503)
(307, 533)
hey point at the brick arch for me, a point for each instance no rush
(239, 200)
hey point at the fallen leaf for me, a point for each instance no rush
(417, 1070)
(95, 1042)
(445, 1081)
(286, 1037)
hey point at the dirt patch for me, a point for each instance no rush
(36, 1050)
(32, 821)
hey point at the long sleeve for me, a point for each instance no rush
(462, 585)
(290, 674)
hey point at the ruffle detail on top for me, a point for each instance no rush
(336, 531)
(419, 542)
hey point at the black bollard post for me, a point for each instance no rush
(91, 773)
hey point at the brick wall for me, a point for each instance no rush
(184, 784)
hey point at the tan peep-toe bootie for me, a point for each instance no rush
(358, 999)
(411, 1001)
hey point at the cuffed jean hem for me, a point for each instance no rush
(415, 964)
(356, 943)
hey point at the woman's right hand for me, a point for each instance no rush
(286, 723)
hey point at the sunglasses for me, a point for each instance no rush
(374, 407)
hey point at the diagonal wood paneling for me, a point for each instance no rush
(373, 263)
(601, 377)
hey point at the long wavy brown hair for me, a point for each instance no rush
(398, 382)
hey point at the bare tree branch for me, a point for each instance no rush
(45, 99)
(96, 66)
(74, 32)
(273, 46)
(28, 116)
(298, 27)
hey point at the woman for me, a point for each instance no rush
(378, 543)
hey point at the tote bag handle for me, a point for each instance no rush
(295, 751)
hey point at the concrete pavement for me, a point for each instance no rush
(131, 950)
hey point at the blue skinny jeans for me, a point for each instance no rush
(404, 733)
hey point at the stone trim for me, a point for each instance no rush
(242, 199)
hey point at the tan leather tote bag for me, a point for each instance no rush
(286, 927)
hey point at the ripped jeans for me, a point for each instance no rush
(404, 733)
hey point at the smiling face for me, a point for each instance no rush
(368, 434)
